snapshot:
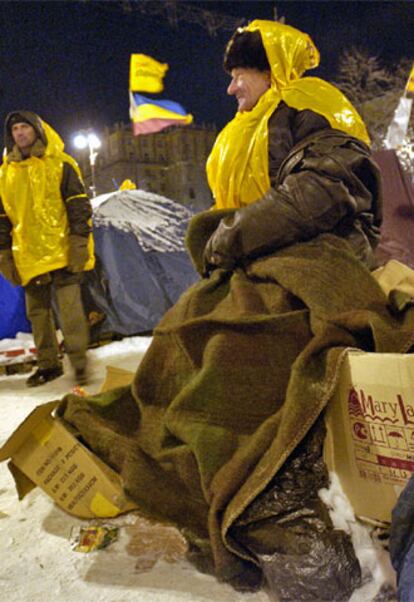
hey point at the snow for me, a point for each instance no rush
(146, 563)
(377, 571)
(158, 222)
(18, 350)
(37, 560)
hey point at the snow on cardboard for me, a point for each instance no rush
(370, 430)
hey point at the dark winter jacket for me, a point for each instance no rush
(322, 181)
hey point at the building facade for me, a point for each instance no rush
(170, 163)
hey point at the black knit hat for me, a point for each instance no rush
(17, 118)
(245, 49)
(22, 117)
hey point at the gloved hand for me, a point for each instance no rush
(8, 267)
(223, 248)
(78, 253)
(213, 259)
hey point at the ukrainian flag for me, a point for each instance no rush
(149, 116)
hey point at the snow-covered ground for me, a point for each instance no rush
(37, 560)
(146, 563)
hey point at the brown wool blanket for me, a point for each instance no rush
(237, 373)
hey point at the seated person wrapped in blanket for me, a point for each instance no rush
(221, 431)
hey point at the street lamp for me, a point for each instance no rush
(91, 141)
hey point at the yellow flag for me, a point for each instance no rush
(409, 88)
(146, 74)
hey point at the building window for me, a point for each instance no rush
(113, 146)
(130, 148)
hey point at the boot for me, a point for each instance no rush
(44, 375)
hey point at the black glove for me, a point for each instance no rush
(78, 253)
(223, 247)
(213, 259)
(8, 267)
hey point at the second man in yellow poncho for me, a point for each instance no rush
(46, 239)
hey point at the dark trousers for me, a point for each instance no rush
(65, 287)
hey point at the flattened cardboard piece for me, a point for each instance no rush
(23, 484)
(395, 275)
(370, 430)
(117, 377)
(44, 452)
(25, 428)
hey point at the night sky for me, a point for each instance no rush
(69, 61)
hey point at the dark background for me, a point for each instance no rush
(69, 61)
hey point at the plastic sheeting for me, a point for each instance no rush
(12, 310)
(142, 266)
(289, 531)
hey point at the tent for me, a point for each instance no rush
(12, 310)
(397, 230)
(142, 265)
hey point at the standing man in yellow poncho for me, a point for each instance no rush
(294, 162)
(45, 239)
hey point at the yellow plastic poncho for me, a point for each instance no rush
(237, 168)
(30, 191)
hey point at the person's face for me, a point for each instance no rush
(247, 85)
(23, 134)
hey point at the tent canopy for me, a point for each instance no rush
(397, 230)
(142, 265)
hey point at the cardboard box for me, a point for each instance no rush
(117, 377)
(370, 430)
(45, 452)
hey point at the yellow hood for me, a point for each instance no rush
(55, 145)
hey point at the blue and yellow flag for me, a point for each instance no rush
(149, 115)
(146, 74)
